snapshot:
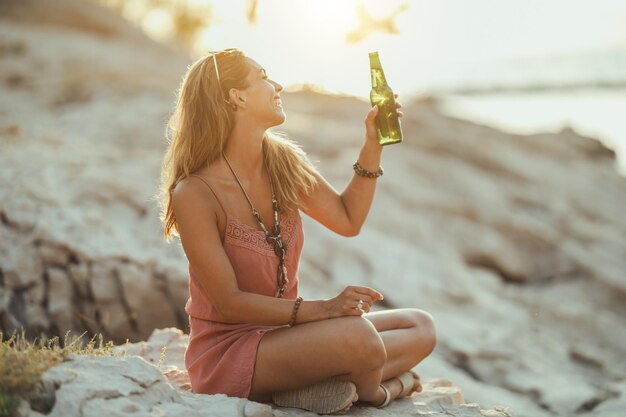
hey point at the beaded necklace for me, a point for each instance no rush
(274, 239)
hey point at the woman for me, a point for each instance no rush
(232, 191)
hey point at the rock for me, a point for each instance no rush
(165, 347)
(60, 298)
(488, 232)
(54, 255)
(141, 289)
(44, 215)
(610, 403)
(130, 383)
(87, 386)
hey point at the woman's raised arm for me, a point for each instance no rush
(345, 213)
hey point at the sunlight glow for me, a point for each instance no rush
(158, 24)
(445, 47)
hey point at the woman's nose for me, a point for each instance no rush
(277, 86)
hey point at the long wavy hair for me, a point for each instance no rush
(199, 129)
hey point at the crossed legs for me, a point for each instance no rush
(365, 350)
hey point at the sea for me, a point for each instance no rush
(585, 91)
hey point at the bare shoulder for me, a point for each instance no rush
(188, 190)
(192, 198)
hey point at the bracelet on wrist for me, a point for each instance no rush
(365, 173)
(295, 312)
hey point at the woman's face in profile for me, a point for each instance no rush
(262, 96)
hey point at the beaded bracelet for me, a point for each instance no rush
(295, 311)
(365, 173)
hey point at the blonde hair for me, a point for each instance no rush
(199, 128)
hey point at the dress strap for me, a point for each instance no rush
(212, 190)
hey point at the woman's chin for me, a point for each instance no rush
(281, 118)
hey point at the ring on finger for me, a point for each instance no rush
(359, 305)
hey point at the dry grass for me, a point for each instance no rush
(22, 362)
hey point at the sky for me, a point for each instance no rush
(445, 45)
(302, 41)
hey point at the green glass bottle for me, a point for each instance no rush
(387, 122)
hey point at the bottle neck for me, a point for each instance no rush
(376, 71)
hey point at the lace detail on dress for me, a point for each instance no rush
(240, 234)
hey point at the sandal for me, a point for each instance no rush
(407, 382)
(326, 397)
(387, 397)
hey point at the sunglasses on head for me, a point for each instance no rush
(215, 53)
(217, 72)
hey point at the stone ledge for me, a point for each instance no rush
(145, 379)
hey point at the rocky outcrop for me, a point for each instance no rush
(142, 380)
(515, 244)
(78, 186)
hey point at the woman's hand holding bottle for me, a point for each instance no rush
(370, 122)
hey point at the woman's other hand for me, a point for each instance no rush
(370, 122)
(346, 302)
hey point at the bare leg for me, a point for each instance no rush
(296, 357)
(349, 348)
(409, 337)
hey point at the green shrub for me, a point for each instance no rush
(22, 363)
(8, 404)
